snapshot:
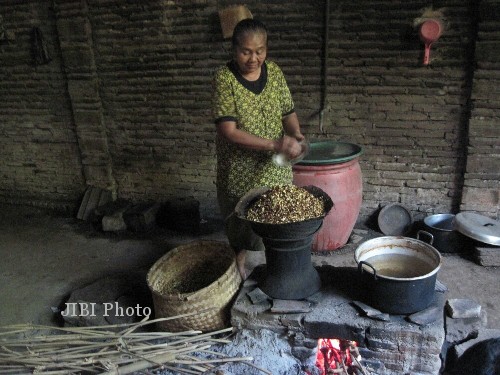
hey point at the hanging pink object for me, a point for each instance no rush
(430, 31)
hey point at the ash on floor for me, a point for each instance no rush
(270, 351)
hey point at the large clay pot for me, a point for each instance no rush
(334, 168)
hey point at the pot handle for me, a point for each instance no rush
(360, 268)
(431, 237)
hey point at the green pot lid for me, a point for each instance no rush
(330, 152)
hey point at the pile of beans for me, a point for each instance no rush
(285, 204)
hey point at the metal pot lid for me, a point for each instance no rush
(478, 227)
(394, 220)
(330, 152)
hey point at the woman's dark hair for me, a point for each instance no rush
(248, 25)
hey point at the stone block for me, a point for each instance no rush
(141, 217)
(487, 256)
(459, 308)
(109, 217)
(426, 316)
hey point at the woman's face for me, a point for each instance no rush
(251, 52)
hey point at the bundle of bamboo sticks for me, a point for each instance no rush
(109, 349)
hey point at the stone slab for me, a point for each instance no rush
(141, 217)
(459, 308)
(488, 256)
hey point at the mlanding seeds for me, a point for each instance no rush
(285, 204)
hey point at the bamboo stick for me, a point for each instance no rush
(63, 350)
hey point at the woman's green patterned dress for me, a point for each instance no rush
(239, 169)
(259, 111)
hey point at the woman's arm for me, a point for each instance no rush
(287, 144)
(292, 127)
(229, 131)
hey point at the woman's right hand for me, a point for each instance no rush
(289, 146)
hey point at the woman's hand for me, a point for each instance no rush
(289, 146)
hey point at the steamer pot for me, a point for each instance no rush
(398, 273)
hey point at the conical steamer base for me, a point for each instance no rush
(289, 270)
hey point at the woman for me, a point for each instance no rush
(255, 118)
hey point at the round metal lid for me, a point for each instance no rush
(478, 227)
(394, 220)
(330, 152)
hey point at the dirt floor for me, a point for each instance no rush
(44, 257)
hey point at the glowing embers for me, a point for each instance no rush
(339, 357)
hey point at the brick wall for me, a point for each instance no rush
(125, 102)
(481, 190)
(39, 153)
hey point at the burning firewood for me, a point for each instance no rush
(339, 357)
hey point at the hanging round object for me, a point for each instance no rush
(430, 31)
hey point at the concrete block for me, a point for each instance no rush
(459, 308)
(141, 217)
(488, 256)
(109, 217)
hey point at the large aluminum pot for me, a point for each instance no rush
(398, 273)
(446, 239)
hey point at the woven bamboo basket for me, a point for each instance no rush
(200, 277)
